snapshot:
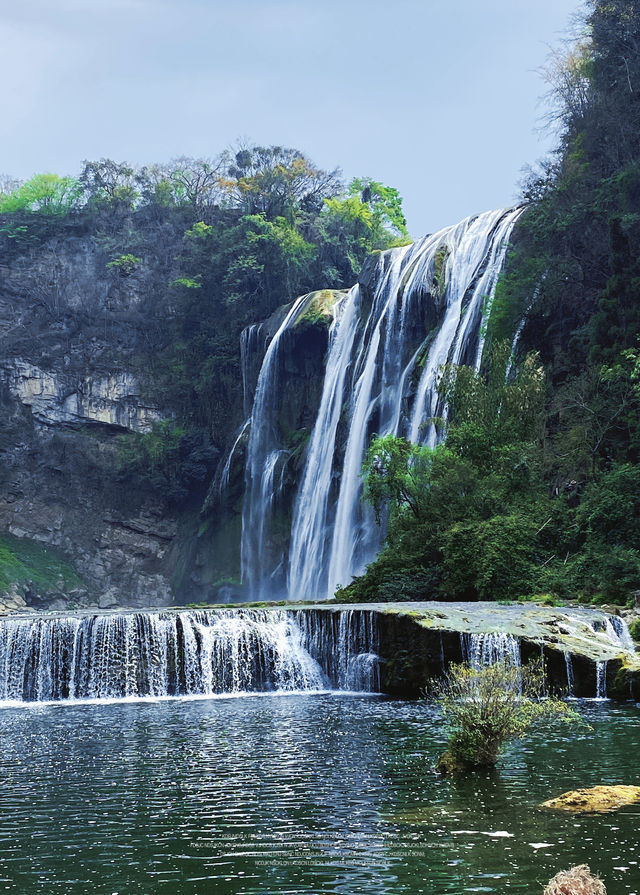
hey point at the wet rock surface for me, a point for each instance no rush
(594, 800)
(417, 640)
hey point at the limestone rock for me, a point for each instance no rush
(12, 600)
(58, 398)
(109, 599)
(594, 800)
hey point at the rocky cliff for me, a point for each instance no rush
(75, 338)
(70, 385)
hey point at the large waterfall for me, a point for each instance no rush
(428, 305)
(187, 653)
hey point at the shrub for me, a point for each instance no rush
(125, 264)
(488, 707)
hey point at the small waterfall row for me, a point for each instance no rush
(480, 650)
(426, 305)
(190, 653)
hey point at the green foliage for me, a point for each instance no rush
(23, 561)
(200, 230)
(440, 268)
(491, 559)
(367, 218)
(396, 471)
(125, 264)
(188, 282)
(47, 194)
(634, 629)
(384, 202)
(486, 708)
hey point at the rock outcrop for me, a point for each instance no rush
(56, 398)
(71, 384)
(596, 799)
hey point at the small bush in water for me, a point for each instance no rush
(485, 708)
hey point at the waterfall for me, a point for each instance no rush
(309, 529)
(521, 324)
(601, 680)
(226, 469)
(480, 650)
(471, 284)
(262, 454)
(570, 677)
(618, 632)
(188, 653)
(426, 304)
(250, 344)
(345, 643)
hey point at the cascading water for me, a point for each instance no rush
(428, 306)
(189, 653)
(481, 650)
(482, 248)
(568, 661)
(259, 472)
(226, 469)
(618, 632)
(601, 680)
(250, 343)
(309, 529)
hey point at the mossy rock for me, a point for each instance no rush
(595, 800)
(319, 307)
(634, 629)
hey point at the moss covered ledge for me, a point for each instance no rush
(418, 639)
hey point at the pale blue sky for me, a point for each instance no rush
(436, 97)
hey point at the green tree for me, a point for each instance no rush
(276, 182)
(384, 202)
(47, 194)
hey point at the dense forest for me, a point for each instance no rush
(536, 488)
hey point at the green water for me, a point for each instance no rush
(300, 794)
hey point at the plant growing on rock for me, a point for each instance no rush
(485, 708)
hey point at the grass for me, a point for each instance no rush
(23, 560)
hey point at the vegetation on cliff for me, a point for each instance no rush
(29, 564)
(192, 252)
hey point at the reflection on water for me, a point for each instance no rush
(299, 794)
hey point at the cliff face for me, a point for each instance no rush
(70, 329)
(74, 335)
